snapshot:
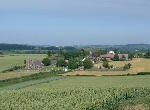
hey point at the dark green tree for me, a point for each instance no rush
(61, 63)
(49, 53)
(116, 57)
(87, 64)
(106, 64)
(46, 61)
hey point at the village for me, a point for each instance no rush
(78, 60)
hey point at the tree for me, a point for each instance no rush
(49, 53)
(127, 66)
(147, 55)
(106, 64)
(116, 57)
(25, 62)
(87, 64)
(46, 61)
(61, 63)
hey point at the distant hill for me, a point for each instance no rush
(32, 47)
(129, 47)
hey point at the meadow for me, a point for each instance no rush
(81, 93)
(8, 61)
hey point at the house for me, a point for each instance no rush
(34, 64)
(123, 56)
(37, 64)
(107, 56)
(54, 55)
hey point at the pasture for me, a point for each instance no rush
(138, 65)
(8, 61)
(81, 93)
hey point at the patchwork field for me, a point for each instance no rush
(138, 65)
(81, 93)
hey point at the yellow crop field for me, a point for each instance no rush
(138, 65)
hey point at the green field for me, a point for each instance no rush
(8, 61)
(81, 93)
(46, 91)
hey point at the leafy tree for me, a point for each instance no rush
(147, 55)
(61, 63)
(46, 61)
(106, 64)
(49, 53)
(87, 64)
(127, 66)
(73, 64)
(116, 57)
(99, 52)
(25, 61)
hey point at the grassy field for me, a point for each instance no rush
(7, 61)
(81, 93)
(138, 65)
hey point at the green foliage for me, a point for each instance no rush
(87, 63)
(61, 63)
(37, 76)
(116, 57)
(106, 65)
(46, 61)
(147, 54)
(99, 52)
(143, 73)
(127, 66)
(13, 69)
(49, 53)
(74, 64)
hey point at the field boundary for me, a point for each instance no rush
(28, 84)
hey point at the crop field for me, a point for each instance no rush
(138, 65)
(81, 93)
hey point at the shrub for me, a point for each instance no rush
(46, 61)
(87, 64)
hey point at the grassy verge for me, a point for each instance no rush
(40, 75)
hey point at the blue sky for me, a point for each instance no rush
(74, 22)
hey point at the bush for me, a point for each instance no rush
(127, 66)
(106, 65)
(143, 73)
(87, 64)
(46, 61)
(13, 69)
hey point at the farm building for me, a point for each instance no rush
(34, 64)
(107, 56)
(123, 56)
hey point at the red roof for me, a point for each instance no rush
(107, 56)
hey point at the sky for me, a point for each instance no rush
(75, 22)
